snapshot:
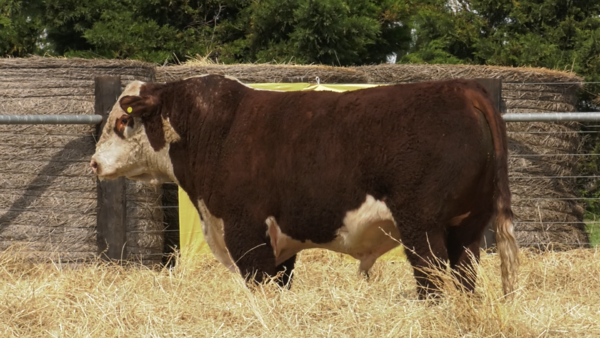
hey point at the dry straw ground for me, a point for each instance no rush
(559, 295)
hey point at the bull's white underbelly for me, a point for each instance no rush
(368, 232)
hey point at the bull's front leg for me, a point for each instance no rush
(252, 253)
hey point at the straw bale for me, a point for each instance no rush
(543, 177)
(48, 106)
(144, 224)
(141, 190)
(75, 168)
(551, 143)
(52, 194)
(66, 203)
(540, 106)
(32, 181)
(567, 239)
(136, 210)
(45, 178)
(58, 141)
(75, 69)
(57, 129)
(546, 215)
(54, 217)
(548, 226)
(44, 93)
(565, 86)
(73, 258)
(15, 232)
(554, 205)
(541, 187)
(264, 73)
(64, 248)
(148, 241)
(146, 253)
(49, 151)
(388, 73)
(514, 95)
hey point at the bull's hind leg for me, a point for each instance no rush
(426, 251)
(463, 249)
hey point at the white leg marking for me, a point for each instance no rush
(212, 227)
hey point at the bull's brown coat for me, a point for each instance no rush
(434, 152)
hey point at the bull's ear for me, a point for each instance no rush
(139, 106)
(146, 107)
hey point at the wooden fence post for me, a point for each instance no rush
(112, 208)
(494, 88)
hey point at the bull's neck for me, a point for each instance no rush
(204, 131)
(163, 166)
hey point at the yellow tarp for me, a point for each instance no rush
(190, 230)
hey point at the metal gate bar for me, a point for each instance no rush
(97, 119)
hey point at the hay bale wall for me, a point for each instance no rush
(48, 196)
(264, 73)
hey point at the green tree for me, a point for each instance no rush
(556, 34)
(149, 30)
(333, 32)
(20, 31)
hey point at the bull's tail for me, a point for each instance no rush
(503, 223)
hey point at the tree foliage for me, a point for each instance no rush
(334, 32)
(19, 31)
(150, 30)
(556, 34)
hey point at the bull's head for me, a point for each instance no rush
(136, 138)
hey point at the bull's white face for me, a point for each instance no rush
(124, 148)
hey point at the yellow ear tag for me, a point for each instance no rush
(129, 110)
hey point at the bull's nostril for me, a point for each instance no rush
(94, 165)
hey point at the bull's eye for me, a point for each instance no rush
(121, 124)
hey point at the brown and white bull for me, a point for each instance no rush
(273, 173)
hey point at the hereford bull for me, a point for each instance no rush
(273, 173)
